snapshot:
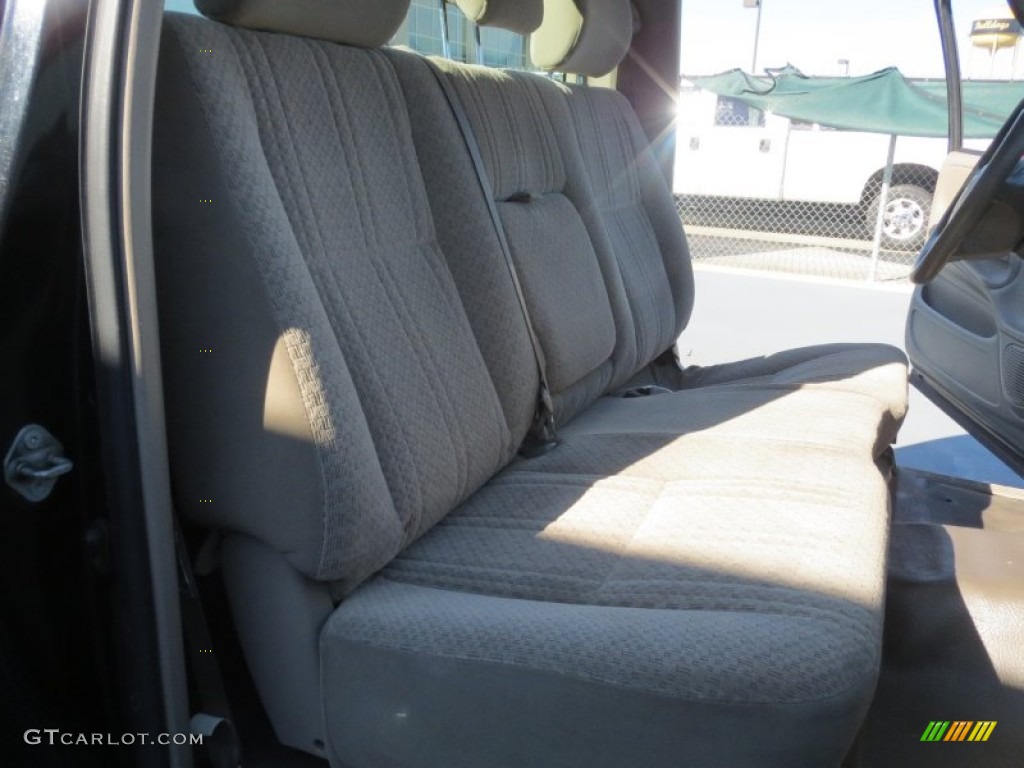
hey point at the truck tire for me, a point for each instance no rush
(904, 218)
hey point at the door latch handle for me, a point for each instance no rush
(34, 463)
(30, 470)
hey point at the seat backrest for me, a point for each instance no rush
(326, 391)
(598, 245)
(635, 207)
(548, 213)
(638, 215)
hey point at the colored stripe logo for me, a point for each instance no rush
(958, 730)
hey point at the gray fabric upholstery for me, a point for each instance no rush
(470, 245)
(583, 37)
(732, 575)
(520, 716)
(876, 370)
(711, 521)
(578, 336)
(793, 366)
(349, 378)
(522, 16)
(278, 615)
(392, 381)
(367, 23)
(835, 418)
(273, 351)
(523, 126)
(636, 211)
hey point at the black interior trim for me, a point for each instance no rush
(1006, 453)
(119, 75)
(951, 59)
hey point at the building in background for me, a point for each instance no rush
(421, 31)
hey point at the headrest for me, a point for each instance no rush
(522, 16)
(366, 23)
(583, 37)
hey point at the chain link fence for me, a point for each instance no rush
(765, 192)
(812, 238)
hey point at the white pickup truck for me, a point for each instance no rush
(724, 151)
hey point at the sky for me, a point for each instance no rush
(814, 35)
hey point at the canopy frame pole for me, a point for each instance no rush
(757, 37)
(883, 198)
(951, 59)
(446, 45)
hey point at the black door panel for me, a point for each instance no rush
(965, 338)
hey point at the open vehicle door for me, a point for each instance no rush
(965, 328)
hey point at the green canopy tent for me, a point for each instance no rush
(882, 102)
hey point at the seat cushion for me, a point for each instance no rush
(878, 371)
(809, 416)
(647, 588)
(875, 369)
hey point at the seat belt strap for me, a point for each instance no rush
(543, 435)
(221, 745)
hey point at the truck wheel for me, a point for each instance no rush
(904, 217)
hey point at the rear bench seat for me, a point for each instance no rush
(681, 569)
(583, 204)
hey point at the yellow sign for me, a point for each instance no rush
(995, 33)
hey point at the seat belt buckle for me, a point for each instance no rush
(543, 435)
(645, 391)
